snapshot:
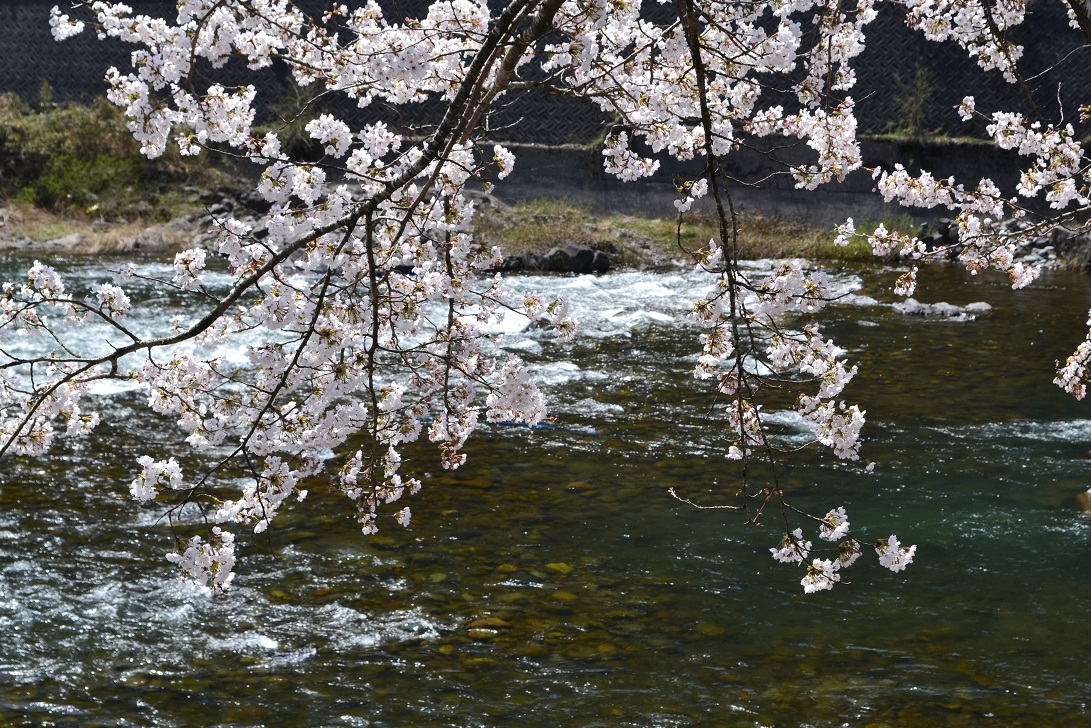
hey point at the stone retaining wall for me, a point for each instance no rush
(888, 95)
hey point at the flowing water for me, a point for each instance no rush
(553, 581)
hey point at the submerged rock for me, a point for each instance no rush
(1084, 499)
(913, 307)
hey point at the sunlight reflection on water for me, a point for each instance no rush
(552, 575)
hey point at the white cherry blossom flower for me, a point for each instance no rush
(893, 555)
(821, 575)
(835, 525)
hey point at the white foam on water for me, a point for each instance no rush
(1036, 430)
(523, 346)
(590, 406)
(556, 374)
(247, 643)
(107, 387)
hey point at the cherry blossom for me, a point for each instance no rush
(835, 524)
(792, 549)
(364, 299)
(821, 575)
(154, 474)
(207, 564)
(893, 555)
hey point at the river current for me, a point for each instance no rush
(553, 581)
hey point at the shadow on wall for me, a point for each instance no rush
(577, 173)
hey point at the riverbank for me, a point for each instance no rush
(72, 182)
(560, 197)
(519, 227)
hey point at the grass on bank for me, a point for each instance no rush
(539, 225)
(25, 226)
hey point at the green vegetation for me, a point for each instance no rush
(80, 160)
(913, 102)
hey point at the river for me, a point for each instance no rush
(553, 581)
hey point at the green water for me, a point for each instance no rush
(552, 580)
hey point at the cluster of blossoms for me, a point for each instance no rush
(367, 284)
(369, 292)
(208, 564)
(746, 346)
(154, 474)
(979, 27)
(1072, 377)
(29, 415)
(822, 574)
(726, 309)
(1058, 168)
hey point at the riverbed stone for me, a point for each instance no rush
(572, 258)
(942, 309)
(708, 629)
(569, 259)
(579, 651)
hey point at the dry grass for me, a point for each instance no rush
(23, 219)
(535, 226)
(28, 227)
(547, 223)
